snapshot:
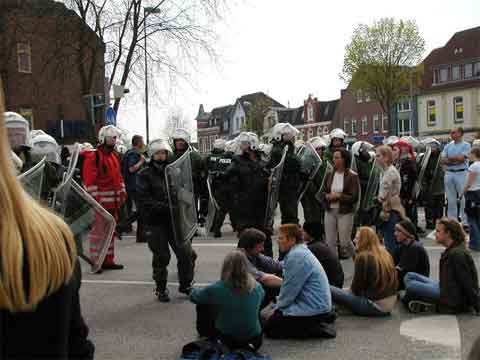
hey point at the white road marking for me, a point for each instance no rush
(439, 330)
(134, 282)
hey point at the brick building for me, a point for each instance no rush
(361, 118)
(42, 44)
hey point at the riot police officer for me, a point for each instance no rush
(363, 156)
(284, 137)
(433, 186)
(152, 196)
(337, 141)
(249, 180)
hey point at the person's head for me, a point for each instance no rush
(160, 155)
(384, 156)
(137, 141)
(252, 241)
(235, 272)
(312, 231)
(475, 154)
(456, 134)
(337, 142)
(159, 150)
(180, 144)
(37, 250)
(402, 150)
(405, 232)
(449, 232)
(341, 159)
(366, 239)
(289, 235)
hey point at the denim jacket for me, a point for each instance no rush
(305, 290)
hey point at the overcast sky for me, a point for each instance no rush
(289, 49)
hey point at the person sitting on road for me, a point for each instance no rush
(304, 306)
(410, 255)
(374, 286)
(312, 234)
(264, 269)
(236, 299)
(457, 291)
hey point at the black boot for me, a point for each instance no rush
(186, 288)
(161, 292)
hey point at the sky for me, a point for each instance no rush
(288, 49)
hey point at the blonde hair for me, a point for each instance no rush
(370, 249)
(35, 244)
(235, 272)
(387, 154)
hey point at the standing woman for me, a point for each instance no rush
(341, 195)
(389, 197)
(40, 314)
(471, 192)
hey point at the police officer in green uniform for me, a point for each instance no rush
(433, 188)
(362, 164)
(337, 141)
(283, 138)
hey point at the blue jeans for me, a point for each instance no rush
(474, 228)
(419, 287)
(359, 305)
(388, 231)
(454, 184)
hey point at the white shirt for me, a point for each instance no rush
(337, 186)
(474, 168)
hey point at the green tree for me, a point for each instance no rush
(255, 115)
(381, 60)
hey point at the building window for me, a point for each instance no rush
(310, 133)
(319, 131)
(27, 114)
(384, 122)
(359, 97)
(404, 106)
(225, 125)
(404, 127)
(431, 113)
(376, 123)
(476, 69)
(468, 71)
(444, 74)
(456, 72)
(435, 76)
(346, 126)
(354, 127)
(458, 108)
(364, 125)
(310, 112)
(24, 58)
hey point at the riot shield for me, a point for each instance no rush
(91, 224)
(373, 185)
(423, 166)
(310, 164)
(212, 205)
(60, 194)
(329, 169)
(274, 191)
(32, 180)
(181, 198)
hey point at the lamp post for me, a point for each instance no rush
(146, 11)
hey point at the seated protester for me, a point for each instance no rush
(264, 269)
(304, 306)
(374, 286)
(409, 255)
(236, 299)
(457, 291)
(330, 263)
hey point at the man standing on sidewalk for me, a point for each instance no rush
(455, 159)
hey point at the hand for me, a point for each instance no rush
(142, 159)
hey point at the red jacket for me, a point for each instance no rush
(102, 178)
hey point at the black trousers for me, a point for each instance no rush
(218, 220)
(206, 315)
(288, 206)
(279, 326)
(434, 209)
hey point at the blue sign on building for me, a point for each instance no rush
(111, 117)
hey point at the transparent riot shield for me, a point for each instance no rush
(91, 224)
(423, 167)
(373, 185)
(181, 198)
(61, 192)
(32, 179)
(212, 205)
(274, 191)
(310, 164)
(329, 169)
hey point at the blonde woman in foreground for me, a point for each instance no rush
(40, 314)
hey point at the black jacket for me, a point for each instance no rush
(409, 175)
(411, 258)
(458, 281)
(330, 263)
(152, 194)
(55, 330)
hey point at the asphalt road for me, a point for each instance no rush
(127, 322)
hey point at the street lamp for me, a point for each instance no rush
(147, 10)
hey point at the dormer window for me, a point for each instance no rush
(310, 112)
(456, 72)
(443, 74)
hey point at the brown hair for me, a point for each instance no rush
(387, 153)
(293, 231)
(476, 152)
(371, 250)
(454, 228)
